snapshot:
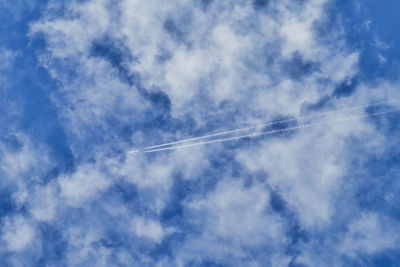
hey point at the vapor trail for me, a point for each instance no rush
(269, 132)
(266, 124)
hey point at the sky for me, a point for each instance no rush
(83, 82)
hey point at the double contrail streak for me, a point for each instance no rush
(267, 124)
(267, 132)
(181, 143)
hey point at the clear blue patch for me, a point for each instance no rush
(118, 56)
(322, 103)
(205, 4)
(178, 28)
(368, 24)
(11, 143)
(206, 263)
(7, 204)
(260, 4)
(54, 246)
(32, 86)
(346, 88)
(171, 27)
(298, 68)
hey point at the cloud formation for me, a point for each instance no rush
(138, 73)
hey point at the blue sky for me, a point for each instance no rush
(83, 82)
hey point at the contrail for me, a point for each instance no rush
(263, 125)
(269, 132)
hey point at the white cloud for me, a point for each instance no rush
(83, 185)
(298, 30)
(18, 233)
(231, 218)
(308, 169)
(147, 228)
(7, 58)
(220, 58)
(370, 234)
(366, 234)
(67, 37)
(26, 162)
(24, 165)
(80, 247)
(154, 178)
(43, 202)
